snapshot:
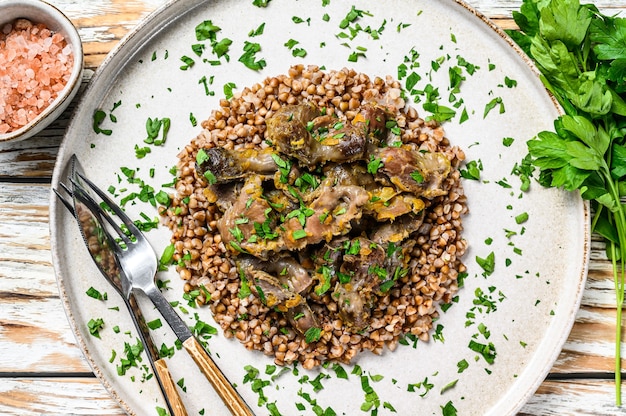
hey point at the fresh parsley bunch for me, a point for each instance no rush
(581, 55)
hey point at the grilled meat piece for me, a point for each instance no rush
(302, 132)
(361, 263)
(281, 291)
(368, 270)
(237, 225)
(332, 213)
(228, 165)
(421, 174)
(269, 289)
(290, 274)
(399, 230)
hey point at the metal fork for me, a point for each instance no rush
(100, 246)
(139, 264)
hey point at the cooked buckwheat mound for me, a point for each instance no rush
(318, 216)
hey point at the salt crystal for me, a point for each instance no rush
(44, 77)
(21, 116)
(21, 42)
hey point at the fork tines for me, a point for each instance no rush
(130, 225)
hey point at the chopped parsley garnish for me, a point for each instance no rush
(141, 152)
(374, 164)
(511, 83)
(284, 167)
(228, 90)
(417, 176)
(258, 31)
(359, 53)
(98, 118)
(487, 351)
(448, 409)
(210, 177)
(206, 31)
(372, 401)
(493, 104)
(249, 59)
(462, 365)
(472, 170)
(187, 62)
(155, 324)
(299, 234)
(521, 218)
(163, 198)
(312, 334)
(221, 48)
(94, 326)
(153, 127)
(94, 293)
(133, 354)
(439, 113)
(201, 157)
(487, 263)
(324, 275)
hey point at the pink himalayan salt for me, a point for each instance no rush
(35, 65)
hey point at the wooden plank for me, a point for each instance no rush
(56, 396)
(86, 396)
(101, 24)
(34, 333)
(573, 397)
(24, 238)
(35, 337)
(590, 347)
(33, 158)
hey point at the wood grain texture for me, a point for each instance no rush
(56, 396)
(169, 388)
(233, 401)
(34, 333)
(36, 342)
(86, 396)
(102, 24)
(573, 398)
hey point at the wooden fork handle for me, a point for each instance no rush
(169, 388)
(222, 386)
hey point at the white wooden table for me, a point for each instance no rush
(42, 371)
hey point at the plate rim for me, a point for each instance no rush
(137, 35)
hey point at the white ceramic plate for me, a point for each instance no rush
(539, 272)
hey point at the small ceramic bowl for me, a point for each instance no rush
(41, 12)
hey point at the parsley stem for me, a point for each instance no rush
(618, 278)
(619, 281)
